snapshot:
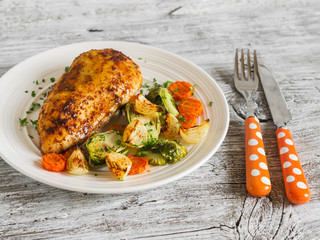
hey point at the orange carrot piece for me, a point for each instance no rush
(139, 164)
(53, 162)
(180, 90)
(191, 106)
(186, 120)
(117, 127)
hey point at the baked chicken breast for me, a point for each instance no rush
(84, 98)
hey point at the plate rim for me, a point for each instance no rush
(126, 189)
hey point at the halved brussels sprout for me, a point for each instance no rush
(144, 106)
(195, 134)
(154, 158)
(118, 164)
(77, 163)
(171, 126)
(135, 134)
(162, 152)
(100, 144)
(162, 96)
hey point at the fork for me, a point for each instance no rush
(257, 175)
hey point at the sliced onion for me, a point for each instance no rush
(144, 106)
(171, 126)
(118, 164)
(195, 134)
(77, 163)
(135, 133)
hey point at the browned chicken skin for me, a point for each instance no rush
(84, 98)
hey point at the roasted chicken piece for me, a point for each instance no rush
(84, 98)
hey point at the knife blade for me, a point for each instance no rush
(296, 185)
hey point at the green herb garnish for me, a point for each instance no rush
(23, 122)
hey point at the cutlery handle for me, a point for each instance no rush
(257, 173)
(295, 183)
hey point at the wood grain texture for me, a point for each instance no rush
(211, 202)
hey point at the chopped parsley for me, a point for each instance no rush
(66, 69)
(140, 154)
(146, 85)
(33, 93)
(26, 91)
(30, 136)
(35, 124)
(23, 122)
(210, 104)
(151, 123)
(166, 84)
(43, 80)
(181, 119)
(118, 142)
(52, 79)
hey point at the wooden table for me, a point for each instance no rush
(211, 202)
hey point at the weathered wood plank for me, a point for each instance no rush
(211, 202)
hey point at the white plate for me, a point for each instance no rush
(22, 153)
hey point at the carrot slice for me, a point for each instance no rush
(139, 164)
(53, 162)
(180, 90)
(186, 120)
(117, 127)
(191, 106)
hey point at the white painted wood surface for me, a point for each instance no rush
(211, 202)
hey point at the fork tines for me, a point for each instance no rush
(255, 66)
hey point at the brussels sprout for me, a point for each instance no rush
(98, 145)
(154, 158)
(77, 163)
(195, 134)
(162, 96)
(169, 151)
(172, 152)
(151, 122)
(144, 106)
(118, 164)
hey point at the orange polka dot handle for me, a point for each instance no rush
(257, 173)
(295, 183)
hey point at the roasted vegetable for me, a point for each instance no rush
(151, 121)
(135, 134)
(171, 126)
(77, 163)
(195, 134)
(162, 96)
(139, 164)
(144, 106)
(118, 164)
(53, 162)
(100, 144)
(170, 152)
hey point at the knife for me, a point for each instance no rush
(295, 183)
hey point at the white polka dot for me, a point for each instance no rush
(255, 172)
(296, 171)
(284, 150)
(253, 126)
(306, 195)
(263, 165)
(290, 178)
(253, 157)
(259, 135)
(255, 118)
(286, 164)
(293, 157)
(261, 151)
(266, 180)
(281, 134)
(266, 188)
(288, 141)
(301, 185)
(253, 142)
